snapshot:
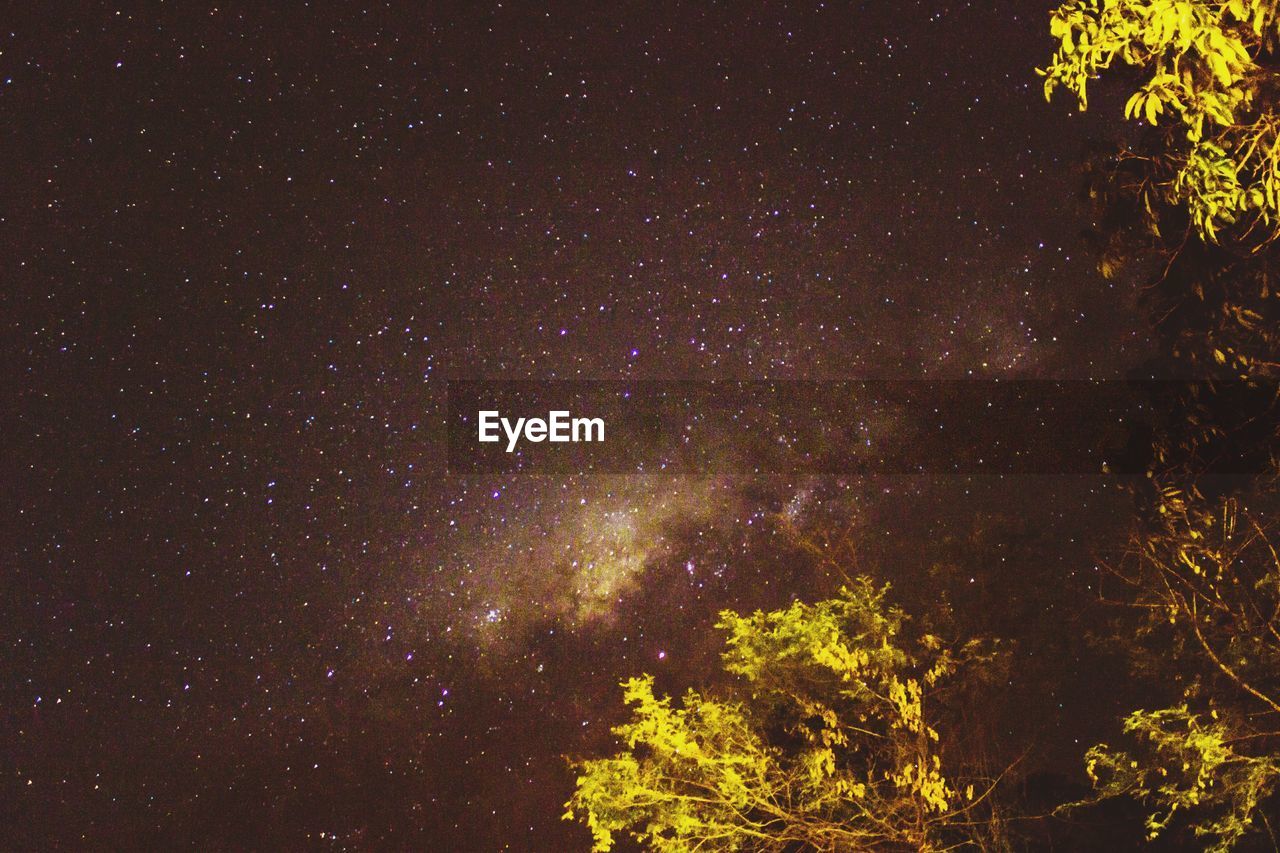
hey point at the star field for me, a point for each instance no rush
(247, 605)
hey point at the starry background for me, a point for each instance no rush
(245, 603)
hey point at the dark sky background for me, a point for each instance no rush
(244, 246)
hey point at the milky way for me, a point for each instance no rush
(247, 605)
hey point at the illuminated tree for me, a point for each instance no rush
(1200, 190)
(825, 739)
(1208, 79)
(1208, 575)
(1203, 183)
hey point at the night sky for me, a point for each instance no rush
(244, 247)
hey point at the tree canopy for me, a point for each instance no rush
(826, 736)
(1206, 79)
(1201, 572)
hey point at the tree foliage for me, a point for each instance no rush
(1207, 80)
(1202, 183)
(826, 738)
(1208, 576)
(1187, 764)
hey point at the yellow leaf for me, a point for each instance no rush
(1153, 108)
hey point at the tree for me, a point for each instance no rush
(1208, 578)
(1203, 183)
(1200, 187)
(1208, 80)
(827, 738)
